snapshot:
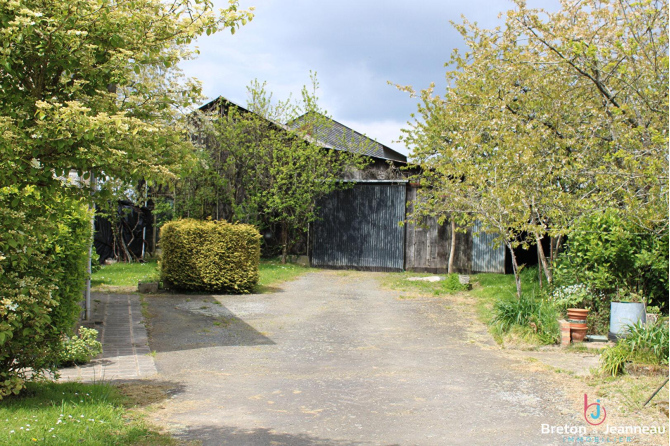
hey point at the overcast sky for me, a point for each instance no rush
(354, 46)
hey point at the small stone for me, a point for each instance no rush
(426, 279)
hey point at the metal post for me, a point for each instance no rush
(89, 268)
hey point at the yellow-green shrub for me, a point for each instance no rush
(210, 256)
(44, 241)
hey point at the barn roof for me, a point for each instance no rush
(329, 133)
(340, 137)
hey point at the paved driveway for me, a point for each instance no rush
(333, 359)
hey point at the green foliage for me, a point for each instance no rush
(617, 260)
(550, 116)
(644, 343)
(43, 254)
(527, 313)
(74, 413)
(81, 348)
(210, 256)
(95, 86)
(255, 171)
(570, 296)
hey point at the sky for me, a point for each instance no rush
(355, 47)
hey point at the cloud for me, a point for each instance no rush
(354, 46)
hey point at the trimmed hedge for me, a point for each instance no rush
(210, 256)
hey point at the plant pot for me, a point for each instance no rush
(623, 314)
(577, 334)
(577, 314)
(577, 324)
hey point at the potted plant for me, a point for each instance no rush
(571, 299)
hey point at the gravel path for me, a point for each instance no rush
(333, 359)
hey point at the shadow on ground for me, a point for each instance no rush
(189, 322)
(230, 436)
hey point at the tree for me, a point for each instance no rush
(550, 117)
(89, 86)
(262, 172)
(93, 86)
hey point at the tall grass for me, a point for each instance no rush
(530, 315)
(645, 344)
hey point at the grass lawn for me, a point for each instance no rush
(124, 276)
(74, 413)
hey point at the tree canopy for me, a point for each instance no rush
(94, 86)
(549, 117)
(256, 169)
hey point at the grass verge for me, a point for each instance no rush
(124, 276)
(74, 413)
(400, 282)
(272, 272)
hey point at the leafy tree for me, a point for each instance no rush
(87, 86)
(549, 117)
(256, 170)
(93, 86)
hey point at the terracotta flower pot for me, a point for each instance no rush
(577, 324)
(577, 314)
(577, 334)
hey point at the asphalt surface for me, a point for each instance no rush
(334, 359)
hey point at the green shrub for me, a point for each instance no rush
(80, 349)
(645, 344)
(43, 253)
(615, 259)
(527, 313)
(210, 256)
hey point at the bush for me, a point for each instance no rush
(645, 344)
(615, 259)
(80, 349)
(43, 253)
(529, 314)
(210, 256)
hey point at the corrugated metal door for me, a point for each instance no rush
(486, 258)
(358, 228)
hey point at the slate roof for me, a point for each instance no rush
(336, 135)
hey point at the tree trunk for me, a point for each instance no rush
(452, 248)
(515, 268)
(543, 259)
(284, 242)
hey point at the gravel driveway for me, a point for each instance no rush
(334, 359)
